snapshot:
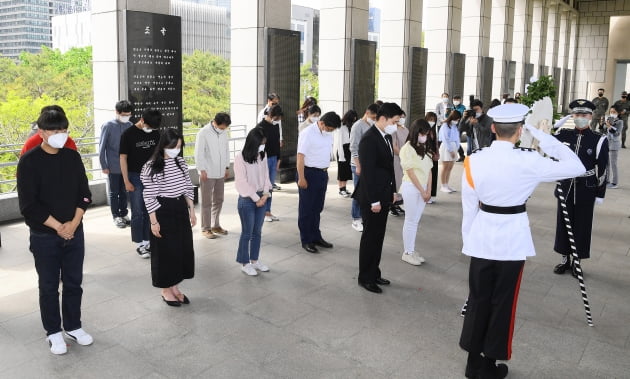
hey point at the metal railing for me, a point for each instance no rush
(237, 135)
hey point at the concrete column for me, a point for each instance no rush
(340, 22)
(442, 36)
(563, 56)
(109, 54)
(501, 42)
(401, 28)
(521, 46)
(248, 61)
(553, 34)
(475, 43)
(539, 35)
(573, 23)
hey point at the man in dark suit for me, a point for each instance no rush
(375, 193)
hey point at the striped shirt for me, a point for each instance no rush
(172, 183)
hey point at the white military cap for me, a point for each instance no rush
(508, 113)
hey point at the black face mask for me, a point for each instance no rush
(623, 97)
(600, 94)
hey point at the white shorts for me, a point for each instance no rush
(445, 155)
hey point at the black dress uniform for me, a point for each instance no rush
(580, 192)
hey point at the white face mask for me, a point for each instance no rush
(456, 102)
(613, 115)
(146, 129)
(454, 123)
(432, 123)
(276, 122)
(314, 119)
(402, 121)
(478, 114)
(124, 119)
(370, 121)
(445, 100)
(57, 140)
(581, 122)
(422, 139)
(390, 129)
(172, 153)
(261, 148)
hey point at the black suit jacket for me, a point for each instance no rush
(376, 181)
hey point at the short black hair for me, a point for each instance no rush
(314, 109)
(273, 96)
(152, 117)
(275, 111)
(389, 110)
(52, 120)
(331, 120)
(123, 106)
(601, 89)
(372, 108)
(457, 97)
(222, 118)
(53, 107)
(506, 130)
(476, 103)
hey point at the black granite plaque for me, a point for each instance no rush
(566, 91)
(363, 75)
(154, 65)
(486, 69)
(455, 74)
(417, 82)
(528, 72)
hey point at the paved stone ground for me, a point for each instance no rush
(307, 318)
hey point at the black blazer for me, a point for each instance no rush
(376, 180)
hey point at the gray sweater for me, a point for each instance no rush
(110, 145)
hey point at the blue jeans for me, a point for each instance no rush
(272, 163)
(252, 218)
(140, 225)
(356, 209)
(55, 258)
(117, 195)
(311, 204)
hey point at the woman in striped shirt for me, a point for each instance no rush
(168, 196)
(251, 178)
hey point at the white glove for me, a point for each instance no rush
(536, 133)
(599, 200)
(561, 122)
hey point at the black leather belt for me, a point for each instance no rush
(502, 210)
(317, 168)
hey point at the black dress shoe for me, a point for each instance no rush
(393, 212)
(383, 281)
(310, 247)
(172, 303)
(324, 243)
(473, 365)
(491, 370)
(372, 287)
(562, 268)
(185, 299)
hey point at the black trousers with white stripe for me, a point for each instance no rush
(489, 322)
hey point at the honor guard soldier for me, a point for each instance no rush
(582, 192)
(496, 183)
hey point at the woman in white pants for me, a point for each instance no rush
(416, 160)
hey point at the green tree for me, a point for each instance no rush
(309, 81)
(206, 86)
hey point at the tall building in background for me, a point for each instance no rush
(306, 21)
(374, 25)
(26, 25)
(205, 25)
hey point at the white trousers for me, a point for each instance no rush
(414, 206)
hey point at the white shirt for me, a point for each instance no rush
(316, 147)
(212, 151)
(503, 176)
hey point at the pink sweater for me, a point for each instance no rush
(251, 178)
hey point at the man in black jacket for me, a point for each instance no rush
(53, 193)
(477, 127)
(375, 193)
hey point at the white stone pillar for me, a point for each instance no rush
(563, 55)
(501, 41)
(475, 43)
(573, 23)
(521, 47)
(442, 36)
(553, 32)
(340, 22)
(539, 35)
(249, 48)
(401, 28)
(109, 54)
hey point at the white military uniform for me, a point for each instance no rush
(505, 176)
(496, 183)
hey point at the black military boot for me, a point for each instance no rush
(473, 365)
(491, 370)
(562, 268)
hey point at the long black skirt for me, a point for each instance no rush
(172, 255)
(344, 172)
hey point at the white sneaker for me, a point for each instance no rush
(431, 200)
(57, 344)
(411, 259)
(249, 270)
(451, 188)
(80, 337)
(260, 266)
(420, 259)
(445, 189)
(357, 225)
